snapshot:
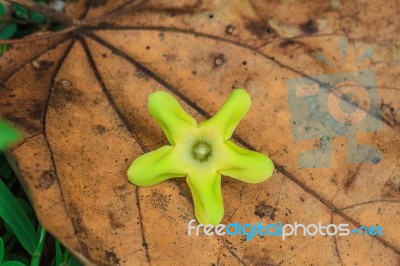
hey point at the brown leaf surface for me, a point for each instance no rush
(81, 103)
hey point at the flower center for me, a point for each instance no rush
(202, 151)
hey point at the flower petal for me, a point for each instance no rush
(156, 166)
(207, 197)
(228, 117)
(170, 115)
(245, 165)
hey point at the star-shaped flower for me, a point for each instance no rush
(200, 152)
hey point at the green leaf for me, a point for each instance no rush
(66, 255)
(14, 216)
(28, 210)
(59, 255)
(37, 17)
(67, 258)
(20, 11)
(26, 206)
(5, 168)
(1, 250)
(73, 261)
(6, 237)
(18, 257)
(57, 27)
(8, 30)
(3, 10)
(42, 2)
(8, 134)
(35, 261)
(3, 48)
(9, 246)
(13, 263)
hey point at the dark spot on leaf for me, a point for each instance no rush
(351, 177)
(391, 188)
(141, 75)
(218, 59)
(159, 200)
(114, 223)
(286, 43)
(100, 129)
(97, 3)
(47, 179)
(260, 29)
(122, 192)
(64, 93)
(263, 210)
(37, 111)
(171, 57)
(390, 115)
(22, 122)
(84, 249)
(42, 65)
(259, 259)
(309, 28)
(121, 188)
(229, 29)
(66, 83)
(111, 258)
(77, 222)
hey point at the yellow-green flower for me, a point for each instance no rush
(200, 152)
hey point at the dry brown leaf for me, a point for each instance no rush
(80, 100)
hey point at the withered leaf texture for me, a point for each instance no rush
(80, 100)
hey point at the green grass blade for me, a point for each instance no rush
(5, 169)
(8, 134)
(10, 245)
(1, 250)
(16, 218)
(59, 255)
(73, 261)
(35, 261)
(13, 263)
(66, 255)
(18, 257)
